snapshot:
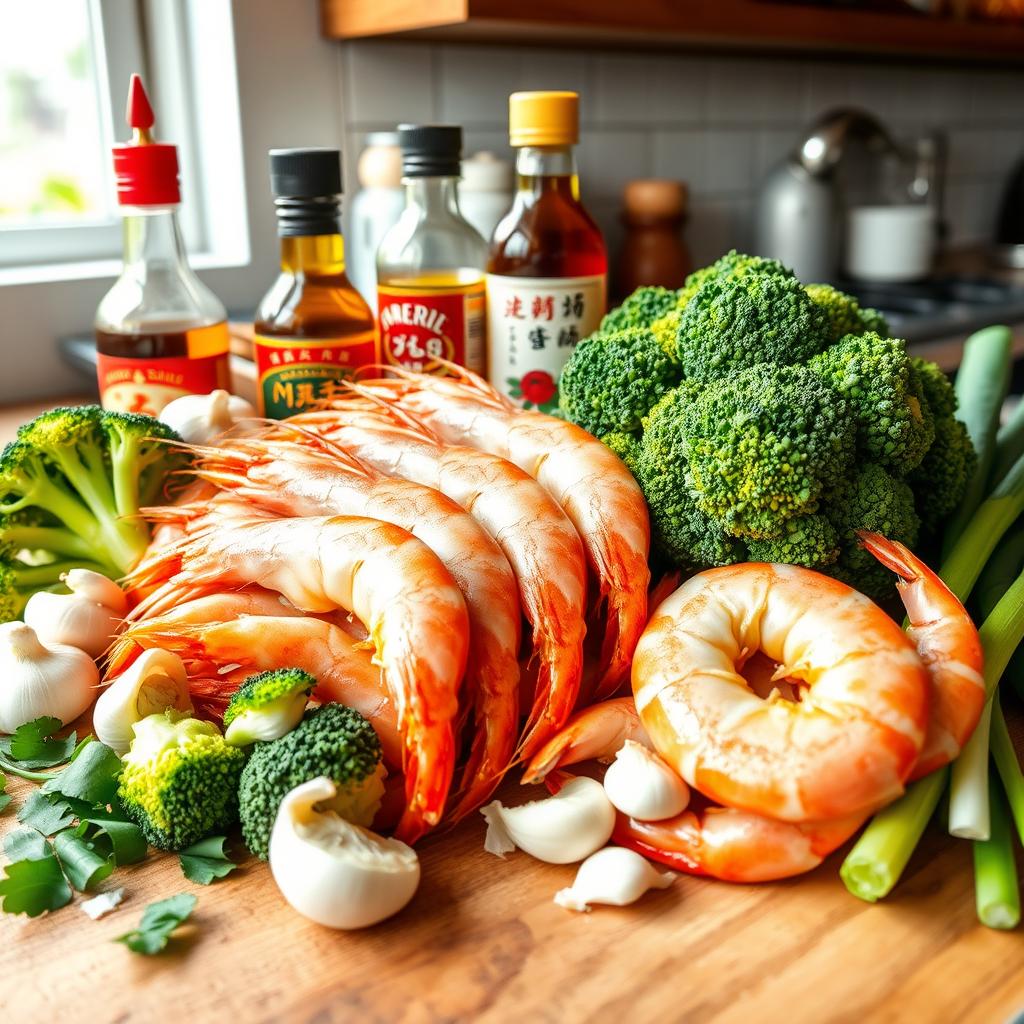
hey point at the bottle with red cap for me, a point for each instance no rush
(160, 332)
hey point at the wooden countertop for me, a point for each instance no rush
(482, 941)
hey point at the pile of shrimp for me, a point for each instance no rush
(793, 707)
(464, 573)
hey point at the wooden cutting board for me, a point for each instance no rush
(483, 941)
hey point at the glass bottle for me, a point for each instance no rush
(312, 327)
(430, 265)
(547, 274)
(160, 332)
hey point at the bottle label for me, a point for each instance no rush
(295, 374)
(420, 325)
(533, 325)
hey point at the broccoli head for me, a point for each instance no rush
(331, 740)
(809, 540)
(180, 780)
(728, 267)
(873, 500)
(641, 309)
(746, 319)
(611, 381)
(894, 423)
(267, 705)
(844, 313)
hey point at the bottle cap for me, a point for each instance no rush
(305, 172)
(430, 150)
(654, 197)
(486, 172)
(543, 119)
(146, 172)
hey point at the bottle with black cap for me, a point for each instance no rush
(430, 265)
(312, 328)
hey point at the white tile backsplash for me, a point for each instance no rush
(718, 123)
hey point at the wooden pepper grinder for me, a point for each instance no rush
(653, 251)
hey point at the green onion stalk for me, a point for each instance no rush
(1008, 767)
(996, 890)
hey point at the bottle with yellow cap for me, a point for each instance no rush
(547, 273)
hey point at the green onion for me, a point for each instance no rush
(1009, 445)
(1009, 767)
(997, 893)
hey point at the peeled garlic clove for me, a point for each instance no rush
(200, 418)
(614, 876)
(333, 872)
(560, 829)
(96, 587)
(154, 682)
(72, 620)
(642, 786)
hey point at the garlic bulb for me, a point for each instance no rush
(154, 682)
(615, 876)
(641, 785)
(200, 418)
(333, 872)
(88, 618)
(560, 829)
(35, 680)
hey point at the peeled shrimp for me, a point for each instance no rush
(413, 609)
(844, 748)
(289, 478)
(590, 482)
(528, 525)
(722, 842)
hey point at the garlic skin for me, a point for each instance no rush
(88, 618)
(642, 786)
(559, 829)
(333, 872)
(198, 419)
(614, 876)
(36, 681)
(94, 586)
(154, 682)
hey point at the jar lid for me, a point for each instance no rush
(544, 118)
(430, 150)
(655, 197)
(305, 172)
(486, 172)
(146, 172)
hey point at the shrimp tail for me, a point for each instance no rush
(895, 556)
(626, 617)
(558, 687)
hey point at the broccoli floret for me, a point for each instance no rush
(844, 313)
(141, 459)
(180, 780)
(936, 386)
(641, 309)
(626, 446)
(894, 424)
(809, 540)
(873, 500)
(728, 267)
(752, 450)
(872, 320)
(611, 381)
(665, 329)
(267, 705)
(745, 319)
(330, 740)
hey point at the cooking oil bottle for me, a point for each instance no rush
(430, 265)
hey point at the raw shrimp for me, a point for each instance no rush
(947, 642)
(223, 653)
(845, 747)
(405, 596)
(590, 482)
(289, 478)
(722, 842)
(537, 537)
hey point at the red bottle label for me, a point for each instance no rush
(420, 325)
(147, 385)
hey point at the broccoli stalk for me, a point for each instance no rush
(267, 706)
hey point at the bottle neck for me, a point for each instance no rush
(314, 255)
(152, 239)
(547, 169)
(433, 195)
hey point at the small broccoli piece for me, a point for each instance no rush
(267, 705)
(626, 446)
(180, 780)
(753, 450)
(641, 309)
(874, 500)
(809, 540)
(611, 381)
(746, 319)
(894, 424)
(728, 267)
(665, 330)
(936, 386)
(873, 320)
(142, 456)
(844, 313)
(330, 740)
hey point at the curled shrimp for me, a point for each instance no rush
(844, 747)
(589, 481)
(289, 478)
(529, 526)
(394, 583)
(720, 842)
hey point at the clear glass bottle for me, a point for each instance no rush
(312, 328)
(430, 265)
(547, 274)
(160, 332)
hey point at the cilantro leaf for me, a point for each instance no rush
(5, 797)
(25, 844)
(206, 860)
(33, 886)
(159, 920)
(82, 865)
(45, 813)
(91, 776)
(122, 840)
(33, 744)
